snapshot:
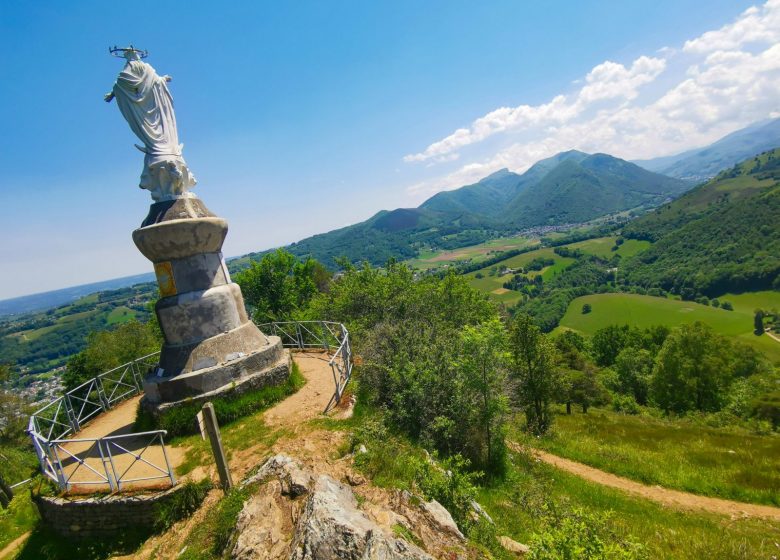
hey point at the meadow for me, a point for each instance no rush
(682, 454)
(664, 532)
(428, 259)
(644, 311)
(531, 490)
(602, 247)
(493, 283)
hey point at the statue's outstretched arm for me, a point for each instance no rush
(108, 97)
(167, 78)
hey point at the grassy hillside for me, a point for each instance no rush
(428, 259)
(569, 188)
(39, 342)
(723, 236)
(579, 189)
(726, 463)
(644, 311)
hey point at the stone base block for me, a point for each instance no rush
(266, 367)
(179, 360)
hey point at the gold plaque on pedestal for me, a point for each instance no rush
(165, 281)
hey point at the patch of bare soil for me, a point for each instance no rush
(658, 494)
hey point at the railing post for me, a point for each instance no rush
(325, 336)
(135, 369)
(71, 414)
(61, 480)
(113, 482)
(167, 462)
(101, 394)
(299, 334)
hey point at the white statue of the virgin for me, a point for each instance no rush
(146, 103)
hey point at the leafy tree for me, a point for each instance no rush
(109, 349)
(758, 322)
(727, 306)
(533, 366)
(586, 308)
(482, 369)
(692, 370)
(280, 285)
(608, 342)
(634, 367)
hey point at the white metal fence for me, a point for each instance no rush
(331, 336)
(113, 461)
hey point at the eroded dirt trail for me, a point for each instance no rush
(658, 494)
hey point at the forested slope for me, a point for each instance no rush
(722, 236)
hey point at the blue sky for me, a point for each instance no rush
(298, 118)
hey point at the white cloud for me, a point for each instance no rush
(753, 25)
(608, 80)
(722, 81)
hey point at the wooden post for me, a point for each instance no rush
(212, 429)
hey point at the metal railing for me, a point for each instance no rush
(331, 336)
(68, 413)
(111, 461)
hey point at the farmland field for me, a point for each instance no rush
(432, 259)
(602, 247)
(493, 284)
(644, 311)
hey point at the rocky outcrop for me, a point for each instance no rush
(299, 516)
(332, 527)
(441, 518)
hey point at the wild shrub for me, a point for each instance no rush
(579, 533)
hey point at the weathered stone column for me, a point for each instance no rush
(211, 345)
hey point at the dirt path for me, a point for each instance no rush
(14, 545)
(663, 496)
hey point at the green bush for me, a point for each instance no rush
(581, 534)
(449, 483)
(184, 502)
(625, 404)
(767, 408)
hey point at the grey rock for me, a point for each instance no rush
(332, 527)
(295, 480)
(260, 527)
(440, 517)
(480, 512)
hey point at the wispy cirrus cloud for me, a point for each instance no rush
(714, 84)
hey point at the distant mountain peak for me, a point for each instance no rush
(500, 174)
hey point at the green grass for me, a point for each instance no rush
(212, 536)
(748, 302)
(602, 247)
(428, 259)
(679, 454)
(121, 314)
(493, 285)
(644, 311)
(181, 419)
(518, 503)
(665, 532)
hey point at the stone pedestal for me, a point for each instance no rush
(211, 345)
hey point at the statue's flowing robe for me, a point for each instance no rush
(146, 104)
